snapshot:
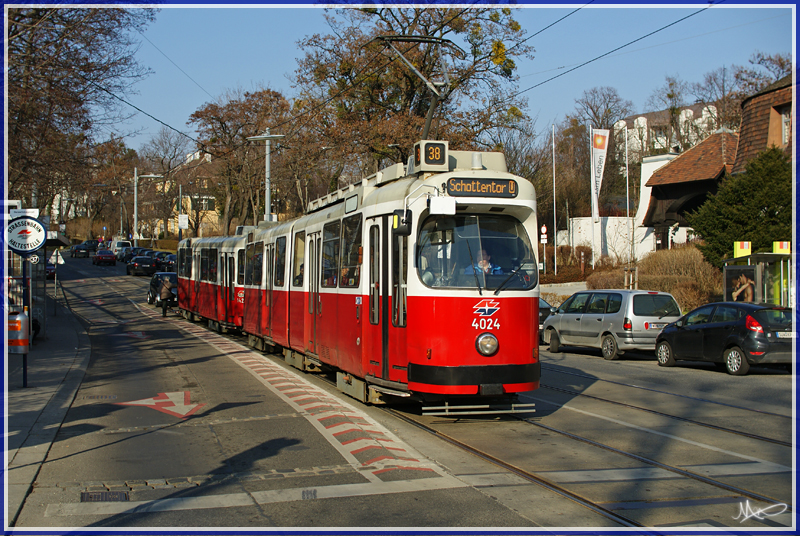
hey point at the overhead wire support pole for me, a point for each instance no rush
(432, 86)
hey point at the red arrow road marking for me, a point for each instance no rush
(175, 403)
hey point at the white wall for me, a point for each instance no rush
(620, 237)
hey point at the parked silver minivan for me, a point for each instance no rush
(612, 320)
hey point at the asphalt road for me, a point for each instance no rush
(175, 426)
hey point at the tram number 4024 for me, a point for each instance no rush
(485, 323)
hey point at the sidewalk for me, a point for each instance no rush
(56, 366)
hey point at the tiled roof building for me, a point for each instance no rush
(766, 121)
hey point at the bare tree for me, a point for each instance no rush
(66, 67)
(164, 153)
(601, 107)
(672, 97)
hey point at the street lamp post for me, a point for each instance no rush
(266, 136)
(136, 202)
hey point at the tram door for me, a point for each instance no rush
(384, 333)
(313, 261)
(231, 290)
(269, 254)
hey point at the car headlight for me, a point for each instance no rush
(487, 344)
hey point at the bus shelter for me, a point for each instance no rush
(760, 278)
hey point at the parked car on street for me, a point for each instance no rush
(141, 266)
(612, 320)
(153, 296)
(170, 263)
(50, 270)
(544, 312)
(131, 253)
(104, 256)
(117, 245)
(91, 245)
(732, 335)
(79, 250)
(159, 256)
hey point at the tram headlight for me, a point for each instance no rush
(487, 344)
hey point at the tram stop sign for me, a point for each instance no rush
(26, 235)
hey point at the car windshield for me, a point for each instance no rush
(104, 252)
(467, 251)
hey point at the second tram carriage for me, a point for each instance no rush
(386, 282)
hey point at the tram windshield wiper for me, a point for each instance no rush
(474, 271)
(502, 285)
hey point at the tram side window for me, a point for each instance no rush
(248, 274)
(351, 252)
(399, 280)
(374, 275)
(258, 264)
(213, 255)
(297, 263)
(204, 264)
(240, 269)
(280, 260)
(181, 262)
(330, 253)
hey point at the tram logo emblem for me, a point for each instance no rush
(486, 307)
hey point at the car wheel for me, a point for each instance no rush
(555, 342)
(609, 348)
(664, 354)
(736, 362)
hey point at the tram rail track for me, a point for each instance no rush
(678, 395)
(662, 414)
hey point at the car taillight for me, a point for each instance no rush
(753, 325)
(627, 324)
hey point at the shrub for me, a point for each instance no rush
(681, 271)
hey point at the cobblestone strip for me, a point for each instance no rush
(197, 480)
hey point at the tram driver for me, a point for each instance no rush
(483, 263)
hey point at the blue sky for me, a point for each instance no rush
(199, 52)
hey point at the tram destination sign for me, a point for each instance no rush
(474, 187)
(26, 235)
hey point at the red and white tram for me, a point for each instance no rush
(387, 282)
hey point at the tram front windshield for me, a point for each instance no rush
(490, 252)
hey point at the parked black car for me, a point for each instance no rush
(159, 256)
(153, 295)
(733, 335)
(544, 312)
(79, 250)
(91, 245)
(131, 253)
(141, 266)
(170, 263)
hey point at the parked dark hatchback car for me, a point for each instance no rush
(732, 335)
(50, 271)
(91, 245)
(141, 266)
(170, 262)
(544, 312)
(104, 256)
(79, 251)
(153, 295)
(131, 253)
(159, 256)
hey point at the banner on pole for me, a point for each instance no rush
(599, 149)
